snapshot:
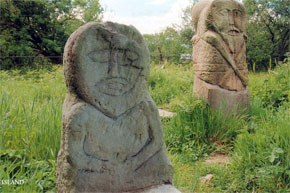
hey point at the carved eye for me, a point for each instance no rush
(237, 13)
(122, 59)
(127, 58)
(132, 55)
(101, 56)
(224, 12)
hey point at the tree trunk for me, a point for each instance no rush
(160, 54)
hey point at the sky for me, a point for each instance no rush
(148, 16)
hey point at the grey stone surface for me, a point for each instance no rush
(225, 100)
(164, 113)
(161, 189)
(219, 53)
(112, 140)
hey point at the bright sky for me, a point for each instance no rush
(148, 16)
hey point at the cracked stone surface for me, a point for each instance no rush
(219, 54)
(112, 139)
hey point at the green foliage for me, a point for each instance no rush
(196, 130)
(37, 175)
(188, 175)
(30, 124)
(276, 87)
(30, 114)
(41, 27)
(262, 151)
(268, 30)
(166, 46)
(89, 9)
(259, 46)
(185, 28)
(169, 84)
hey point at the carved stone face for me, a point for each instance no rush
(228, 17)
(117, 71)
(112, 67)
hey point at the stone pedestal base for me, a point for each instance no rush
(218, 98)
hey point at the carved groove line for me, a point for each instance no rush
(90, 156)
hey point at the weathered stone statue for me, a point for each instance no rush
(112, 140)
(219, 47)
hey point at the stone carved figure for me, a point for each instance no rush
(112, 140)
(219, 46)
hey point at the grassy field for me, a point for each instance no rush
(258, 143)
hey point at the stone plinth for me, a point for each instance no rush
(226, 100)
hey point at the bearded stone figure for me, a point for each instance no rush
(112, 139)
(219, 47)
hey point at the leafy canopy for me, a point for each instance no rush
(268, 30)
(41, 27)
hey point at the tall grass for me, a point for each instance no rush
(30, 123)
(261, 159)
(30, 111)
(262, 153)
(169, 83)
(197, 131)
(259, 142)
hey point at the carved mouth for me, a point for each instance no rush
(115, 83)
(114, 86)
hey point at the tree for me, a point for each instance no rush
(185, 29)
(268, 30)
(154, 44)
(166, 46)
(41, 27)
(259, 46)
(88, 9)
(169, 44)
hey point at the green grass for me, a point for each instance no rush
(170, 85)
(258, 143)
(30, 124)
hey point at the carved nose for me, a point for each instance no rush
(113, 65)
(231, 19)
